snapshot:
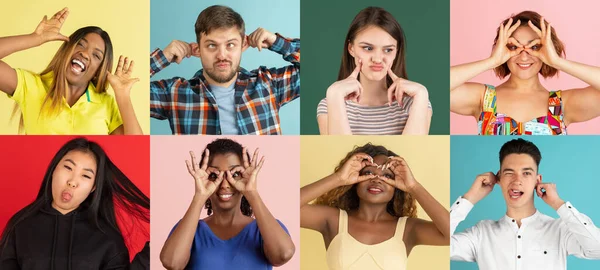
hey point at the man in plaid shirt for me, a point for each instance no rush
(223, 98)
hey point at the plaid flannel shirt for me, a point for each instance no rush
(191, 108)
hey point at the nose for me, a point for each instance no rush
(71, 183)
(221, 52)
(524, 56)
(225, 184)
(377, 57)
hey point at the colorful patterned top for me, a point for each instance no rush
(191, 108)
(492, 123)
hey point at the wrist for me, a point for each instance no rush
(37, 39)
(557, 204)
(493, 62)
(413, 187)
(251, 195)
(200, 198)
(469, 197)
(558, 63)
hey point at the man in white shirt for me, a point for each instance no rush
(524, 238)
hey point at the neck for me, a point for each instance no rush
(226, 217)
(521, 212)
(524, 85)
(374, 92)
(372, 212)
(215, 83)
(75, 92)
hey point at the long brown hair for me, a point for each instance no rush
(59, 63)
(525, 16)
(375, 16)
(346, 198)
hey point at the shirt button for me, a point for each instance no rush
(513, 220)
(457, 202)
(569, 206)
(519, 237)
(545, 252)
(584, 223)
(519, 257)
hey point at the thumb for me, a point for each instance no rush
(62, 37)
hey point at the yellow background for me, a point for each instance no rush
(127, 23)
(429, 160)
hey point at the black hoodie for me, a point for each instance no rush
(51, 240)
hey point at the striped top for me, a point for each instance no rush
(374, 120)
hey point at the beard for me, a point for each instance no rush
(222, 78)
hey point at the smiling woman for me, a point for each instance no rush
(526, 46)
(69, 96)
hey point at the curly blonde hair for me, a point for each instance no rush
(346, 198)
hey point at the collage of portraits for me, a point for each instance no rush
(217, 164)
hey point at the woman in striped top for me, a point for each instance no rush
(372, 95)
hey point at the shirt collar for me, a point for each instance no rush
(524, 221)
(200, 75)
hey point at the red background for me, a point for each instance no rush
(24, 160)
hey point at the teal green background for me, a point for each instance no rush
(171, 20)
(570, 162)
(324, 25)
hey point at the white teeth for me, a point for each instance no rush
(79, 63)
(225, 196)
(524, 65)
(375, 189)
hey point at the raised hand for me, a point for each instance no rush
(543, 47)
(348, 88)
(206, 180)
(177, 50)
(244, 179)
(402, 86)
(49, 29)
(121, 81)
(261, 38)
(548, 193)
(506, 46)
(349, 172)
(483, 186)
(403, 177)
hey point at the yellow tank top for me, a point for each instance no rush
(347, 253)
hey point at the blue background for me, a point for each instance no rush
(571, 162)
(171, 20)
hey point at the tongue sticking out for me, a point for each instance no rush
(515, 193)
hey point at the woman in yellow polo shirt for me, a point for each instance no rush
(69, 96)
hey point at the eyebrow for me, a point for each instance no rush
(230, 167)
(524, 169)
(386, 46)
(97, 49)
(230, 40)
(85, 169)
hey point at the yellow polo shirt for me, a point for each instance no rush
(94, 113)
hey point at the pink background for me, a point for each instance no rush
(172, 188)
(473, 26)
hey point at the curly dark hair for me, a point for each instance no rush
(226, 146)
(346, 198)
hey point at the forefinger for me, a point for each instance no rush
(356, 70)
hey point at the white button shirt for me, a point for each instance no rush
(541, 243)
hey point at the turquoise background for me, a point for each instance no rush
(171, 20)
(568, 161)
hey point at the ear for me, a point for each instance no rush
(350, 49)
(93, 189)
(195, 49)
(245, 43)
(538, 179)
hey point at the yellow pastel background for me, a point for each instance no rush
(127, 23)
(429, 160)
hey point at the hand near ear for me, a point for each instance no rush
(548, 193)
(177, 50)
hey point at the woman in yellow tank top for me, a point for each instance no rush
(69, 96)
(366, 211)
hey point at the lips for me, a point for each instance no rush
(376, 67)
(222, 65)
(78, 66)
(524, 66)
(66, 196)
(515, 193)
(225, 196)
(375, 189)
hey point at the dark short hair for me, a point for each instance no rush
(216, 17)
(520, 146)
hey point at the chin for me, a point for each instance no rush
(374, 76)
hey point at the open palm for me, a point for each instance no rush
(49, 29)
(122, 81)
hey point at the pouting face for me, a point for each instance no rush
(226, 197)
(375, 190)
(518, 179)
(73, 180)
(221, 53)
(524, 65)
(377, 50)
(86, 59)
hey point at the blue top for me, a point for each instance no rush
(226, 103)
(243, 251)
